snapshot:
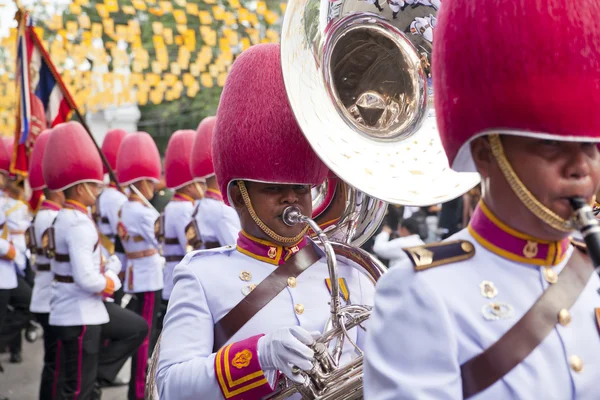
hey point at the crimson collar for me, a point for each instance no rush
(50, 205)
(509, 243)
(213, 194)
(181, 197)
(75, 205)
(266, 251)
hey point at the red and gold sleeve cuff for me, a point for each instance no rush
(10, 254)
(238, 371)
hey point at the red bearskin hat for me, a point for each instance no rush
(202, 160)
(70, 157)
(530, 70)
(256, 136)
(36, 177)
(138, 159)
(177, 159)
(110, 146)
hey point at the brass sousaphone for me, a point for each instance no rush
(359, 82)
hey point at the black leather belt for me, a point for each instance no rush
(63, 278)
(42, 267)
(173, 258)
(62, 257)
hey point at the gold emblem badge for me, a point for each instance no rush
(295, 249)
(531, 249)
(242, 359)
(496, 311)
(245, 276)
(272, 252)
(488, 289)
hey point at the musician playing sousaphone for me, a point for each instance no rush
(263, 165)
(517, 99)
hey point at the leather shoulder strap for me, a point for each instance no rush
(262, 294)
(510, 350)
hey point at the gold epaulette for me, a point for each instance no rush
(436, 254)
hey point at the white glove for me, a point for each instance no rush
(114, 277)
(285, 348)
(163, 262)
(113, 264)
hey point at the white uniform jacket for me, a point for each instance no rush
(109, 203)
(426, 324)
(78, 303)
(208, 284)
(42, 284)
(8, 258)
(18, 219)
(137, 223)
(217, 221)
(177, 215)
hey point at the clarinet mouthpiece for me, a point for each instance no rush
(577, 202)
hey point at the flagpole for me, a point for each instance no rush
(72, 105)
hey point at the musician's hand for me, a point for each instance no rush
(285, 348)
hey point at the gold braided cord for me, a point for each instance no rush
(526, 197)
(272, 234)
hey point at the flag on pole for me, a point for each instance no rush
(43, 98)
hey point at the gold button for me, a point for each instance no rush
(245, 276)
(466, 247)
(576, 363)
(564, 317)
(291, 282)
(550, 276)
(299, 308)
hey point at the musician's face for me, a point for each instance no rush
(269, 201)
(553, 171)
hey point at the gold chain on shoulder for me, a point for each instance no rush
(526, 197)
(278, 238)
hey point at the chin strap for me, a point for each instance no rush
(526, 197)
(89, 192)
(199, 189)
(268, 231)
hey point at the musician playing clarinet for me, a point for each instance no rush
(213, 346)
(508, 307)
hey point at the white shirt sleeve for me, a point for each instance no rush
(411, 350)
(81, 240)
(186, 360)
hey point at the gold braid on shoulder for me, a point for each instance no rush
(278, 238)
(526, 197)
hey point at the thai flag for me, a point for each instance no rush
(43, 98)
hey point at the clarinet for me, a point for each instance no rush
(588, 225)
